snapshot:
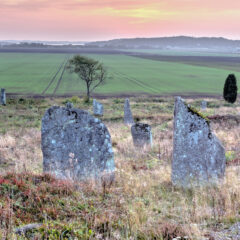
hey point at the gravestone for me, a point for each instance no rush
(204, 105)
(69, 105)
(76, 145)
(128, 118)
(97, 108)
(141, 134)
(198, 156)
(3, 96)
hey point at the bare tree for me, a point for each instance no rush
(91, 71)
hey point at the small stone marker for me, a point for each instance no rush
(3, 96)
(198, 156)
(128, 118)
(76, 145)
(69, 105)
(204, 105)
(141, 134)
(97, 108)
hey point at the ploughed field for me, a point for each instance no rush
(134, 72)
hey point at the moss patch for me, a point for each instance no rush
(194, 111)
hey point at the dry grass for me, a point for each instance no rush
(20, 150)
(142, 203)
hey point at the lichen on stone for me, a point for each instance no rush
(194, 111)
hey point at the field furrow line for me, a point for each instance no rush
(54, 77)
(60, 79)
(131, 80)
(136, 81)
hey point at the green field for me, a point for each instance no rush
(43, 73)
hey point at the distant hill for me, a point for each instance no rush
(35, 43)
(180, 42)
(164, 43)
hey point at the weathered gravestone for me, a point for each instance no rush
(204, 105)
(3, 96)
(76, 145)
(128, 118)
(97, 108)
(69, 105)
(141, 134)
(198, 156)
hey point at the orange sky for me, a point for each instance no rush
(83, 20)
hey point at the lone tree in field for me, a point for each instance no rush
(230, 89)
(90, 71)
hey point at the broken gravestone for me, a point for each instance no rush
(141, 134)
(97, 108)
(76, 145)
(203, 105)
(198, 156)
(3, 96)
(128, 118)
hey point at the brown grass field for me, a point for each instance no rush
(141, 204)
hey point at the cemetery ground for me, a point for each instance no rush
(141, 203)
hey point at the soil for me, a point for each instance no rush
(189, 59)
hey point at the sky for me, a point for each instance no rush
(91, 20)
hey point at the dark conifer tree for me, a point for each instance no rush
(230, 89)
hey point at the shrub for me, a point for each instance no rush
(87, 100)
(117, 100)
(230, 89)
(75, 99)
(230, 155)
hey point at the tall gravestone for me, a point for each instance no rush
(198, 156)
(97, 108)
(128, 118)
(76, 145)
(141, 134)
(3, 96)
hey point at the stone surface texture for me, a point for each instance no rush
(3, 96)
(128, 118)
(97, 108)
(76, 145)
(141, 134)
(232, 233)
(198, 156)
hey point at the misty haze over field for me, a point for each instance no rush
(162, 43)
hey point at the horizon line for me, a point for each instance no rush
(171, 36)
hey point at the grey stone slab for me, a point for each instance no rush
(69, 105)
(198, 155)
(97, 108)
(141, 134)
(76, 145)
(128, 118)
(3, 96)
(203, 105)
